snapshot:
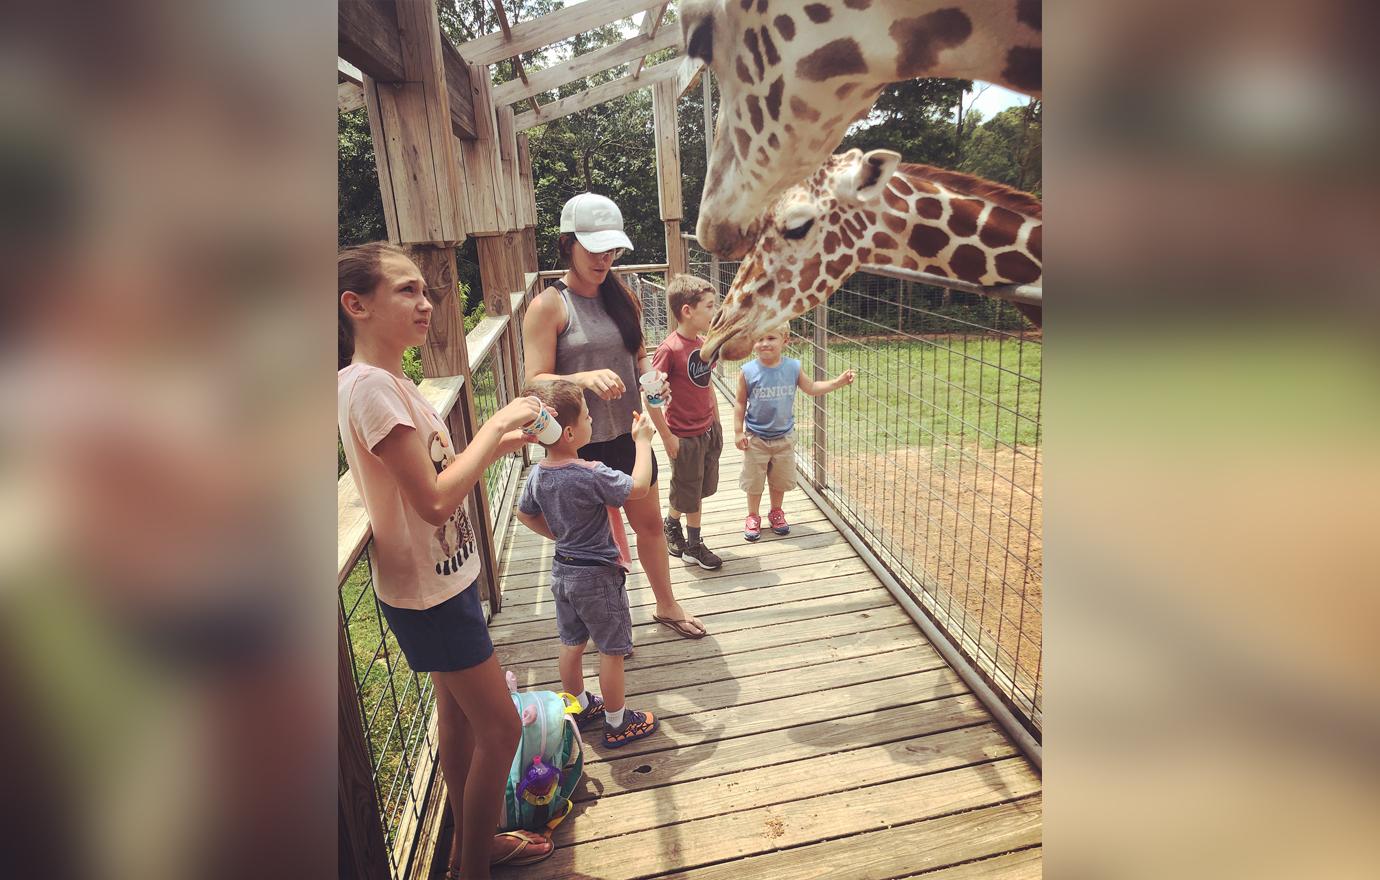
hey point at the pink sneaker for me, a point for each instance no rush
(752, 529)
(777, 518)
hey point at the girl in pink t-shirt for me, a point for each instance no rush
(414, 485)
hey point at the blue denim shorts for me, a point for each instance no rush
(592, 605)
(445, 637)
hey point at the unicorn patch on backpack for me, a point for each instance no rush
(454, 537)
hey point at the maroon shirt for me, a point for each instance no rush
(691, 410)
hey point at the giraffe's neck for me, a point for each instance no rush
(951, 225)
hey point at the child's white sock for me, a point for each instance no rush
(584, 700)
(614, 719)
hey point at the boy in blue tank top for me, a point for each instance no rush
(764, 425)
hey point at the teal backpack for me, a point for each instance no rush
(548, 764)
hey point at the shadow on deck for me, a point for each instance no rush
(814, 733)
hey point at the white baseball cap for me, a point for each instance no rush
(596, 222)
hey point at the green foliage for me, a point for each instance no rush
(360, 206)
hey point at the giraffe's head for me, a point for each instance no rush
(792, 76)
(801, 255)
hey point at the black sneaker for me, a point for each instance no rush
(635, 726)
(702, 556)
(675, 538)
(595, 710)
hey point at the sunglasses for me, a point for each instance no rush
(615, 254)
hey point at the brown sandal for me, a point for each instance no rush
(519, 855)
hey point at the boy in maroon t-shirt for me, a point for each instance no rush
(695, 439)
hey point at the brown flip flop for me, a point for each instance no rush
(683, 627)
(518, 855)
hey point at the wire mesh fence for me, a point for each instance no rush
(933, 455)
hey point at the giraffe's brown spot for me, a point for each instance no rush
(910, 263)
(854, 225)
(844, 90)
(769, 47)
(841, 57)
(836, 268)
(901, 186)
(969, 262)
(773, 141)
(745, 301)
(894, 201)
(763, 156)
(790, 129)
(937, 270)
(846, 236)
(819, 13)
(894, 222)
(744, 142)
(761, 6)
(1028, 13)
(750, 40)
(765, 290)
(743, 73)
(774, 99)
(1016, 267)
(755, 113)
(785, 26)
(1023, 69)
(831, 241)
(803, 110)
(884, 241)
(834, 218)
(746, 4)
(1001, 227)
(768, 244)
(963, 216)
(809, 272)
(928, 241)
(857, 4)
(924, 186)
(920, 40)
(785, 296)
(1032, 243)
(930, 209)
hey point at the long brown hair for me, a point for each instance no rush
(618, 301)
(357, 269)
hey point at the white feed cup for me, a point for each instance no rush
(544, 427)
(653, 387)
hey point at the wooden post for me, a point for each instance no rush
(668, 174)
(362, 851)
(821, 370)
(527, 205)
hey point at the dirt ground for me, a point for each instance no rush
(970, 521)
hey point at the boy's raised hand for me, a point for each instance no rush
(847, 377)
(642, 427)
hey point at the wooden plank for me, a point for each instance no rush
(482, 163)
(651, 26)
(551, 28)
(914, 756)
(484, 337)
(762, 830)
(369, 41)
(525, 199)
(1025, 864)
(597, 95)
(667, 153)
(646, 635)
(532, 626)
(347, 72)
(374, 112)
(423, 196)
(551, 78)
(352, 527)
(512, 183)
(348, 96)
(878, 721)
(902, 849)
(688, 75)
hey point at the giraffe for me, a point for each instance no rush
(868, 208)
(793, 74)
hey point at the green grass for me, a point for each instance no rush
(960, 390)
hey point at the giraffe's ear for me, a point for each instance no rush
(873, 173)
(697, 29)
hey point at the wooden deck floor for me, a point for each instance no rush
(814, 733)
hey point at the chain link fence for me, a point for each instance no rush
(932, 455)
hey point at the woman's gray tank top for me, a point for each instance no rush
(591, 341)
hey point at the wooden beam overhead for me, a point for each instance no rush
(369, 39)
(516, 59)
(651, 24)
(581, 66)
(666, 70)
(347, 72)
(551, 28)
(348, 96)
(688, 75)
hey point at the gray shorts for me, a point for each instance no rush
(592, 605)
(695, 469)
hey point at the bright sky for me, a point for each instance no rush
(996, 99)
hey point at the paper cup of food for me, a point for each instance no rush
(544, 427)
(653, 387)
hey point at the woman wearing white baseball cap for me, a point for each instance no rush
(587, 328)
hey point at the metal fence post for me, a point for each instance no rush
(821, 368)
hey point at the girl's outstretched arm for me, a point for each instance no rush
(435, 496)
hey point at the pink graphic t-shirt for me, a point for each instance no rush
(415, 564)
